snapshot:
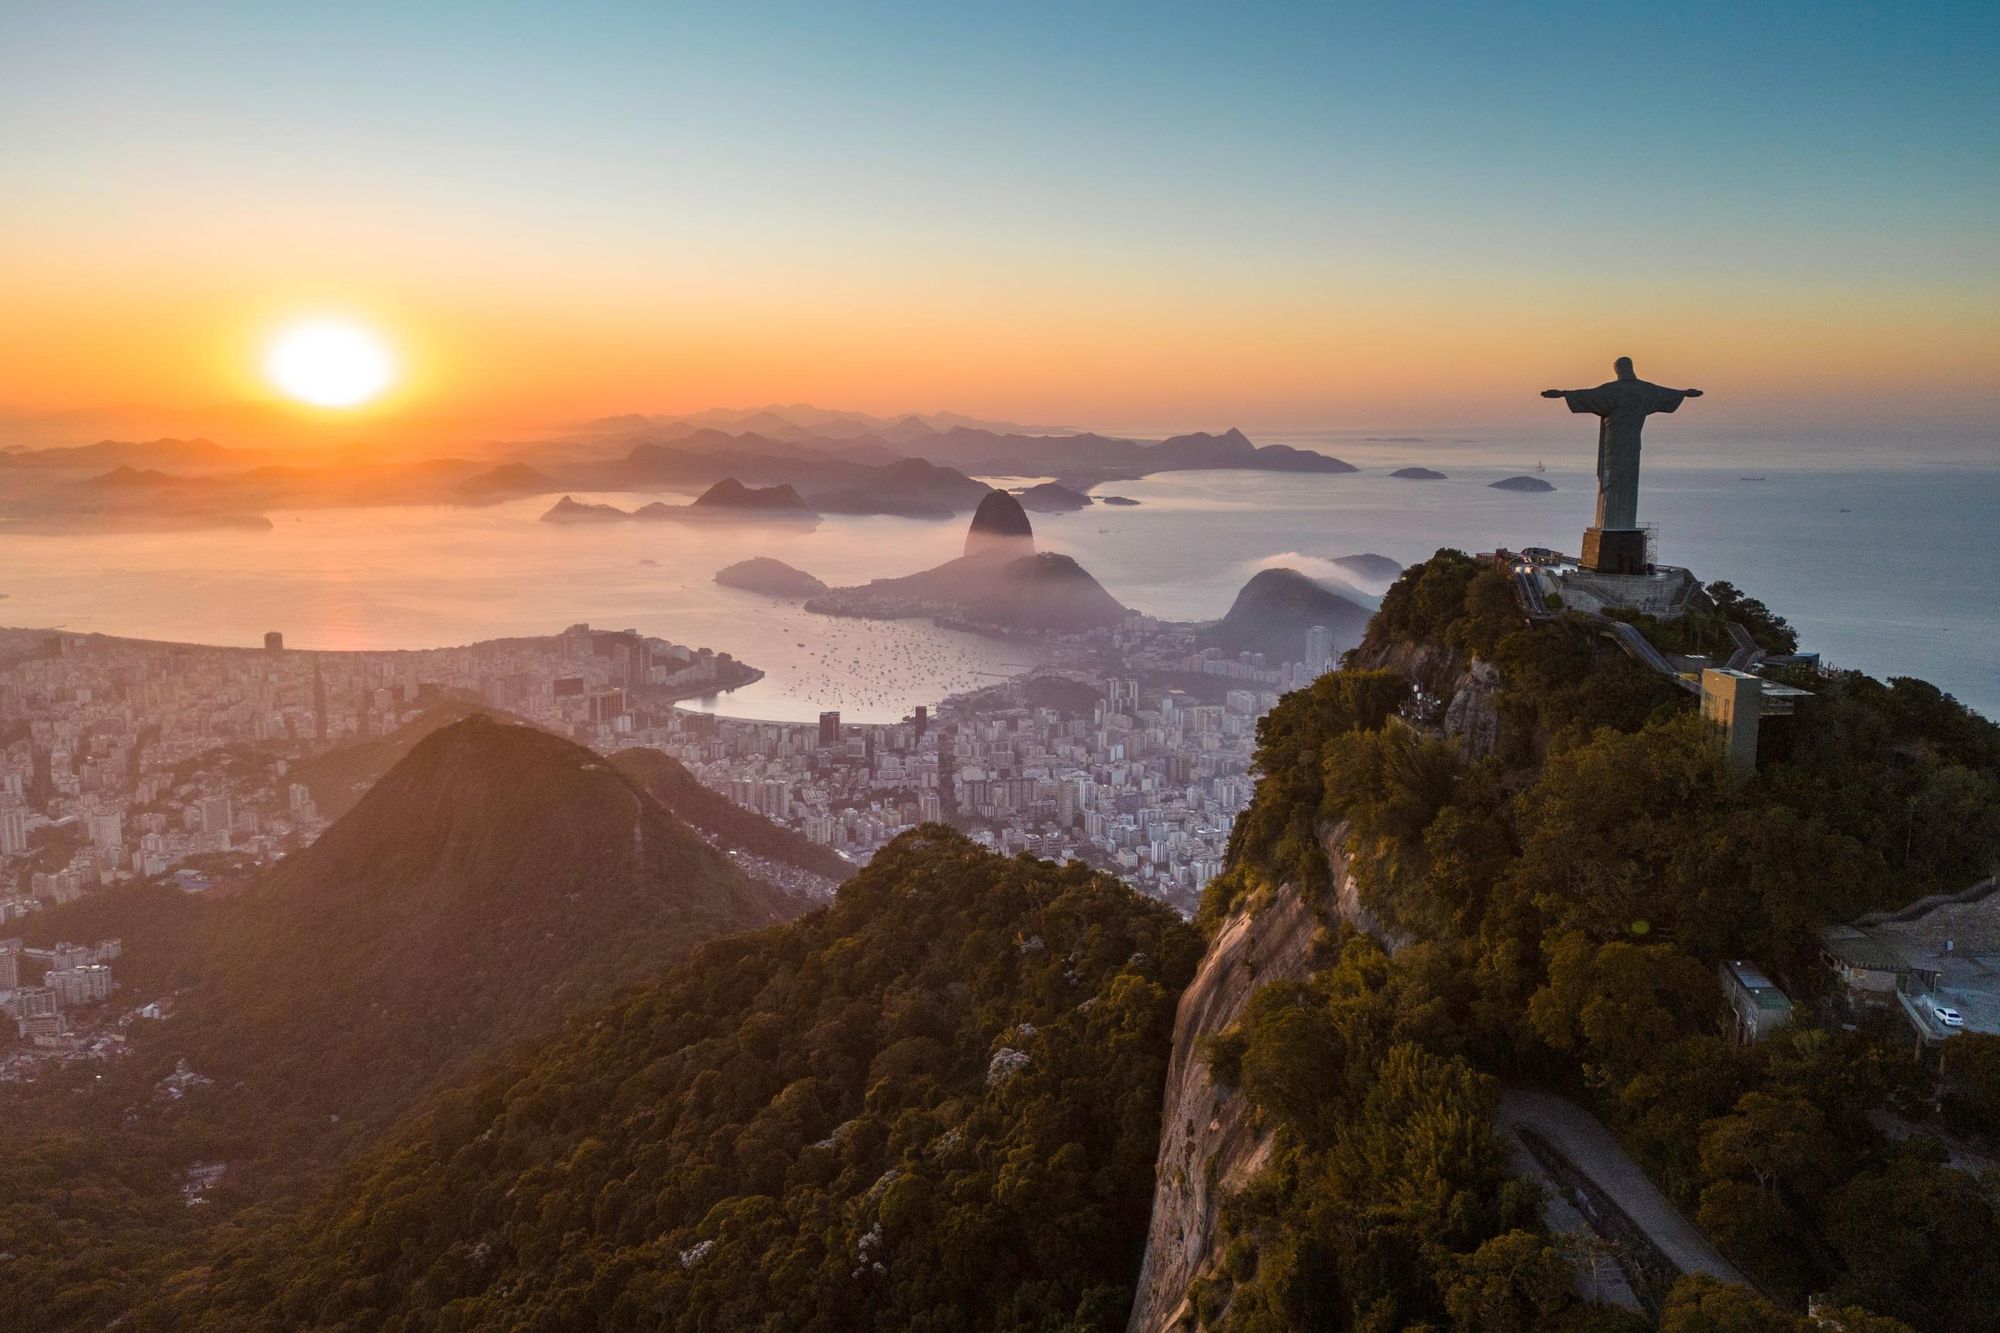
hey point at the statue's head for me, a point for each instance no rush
(1622, 367)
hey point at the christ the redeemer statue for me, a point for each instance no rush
(1614, 544)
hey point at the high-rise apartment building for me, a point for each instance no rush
(1319, 648)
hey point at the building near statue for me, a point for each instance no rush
(1932, 967)
(1757, 1005)
(1737, 702)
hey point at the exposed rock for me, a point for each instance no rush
(1210, 1143)
(1472, 714)
(1347, 904)
(1000, 525)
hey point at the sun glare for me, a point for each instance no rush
(330, 363)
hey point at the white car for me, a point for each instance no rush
(1951, 1018)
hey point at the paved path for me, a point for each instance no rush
(1529, 590)
(1642, 650)
(1589, 1146)
(1595, 1272)
(1747, 654)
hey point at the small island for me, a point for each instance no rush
(1000, 583)
(1369, 565)
(1417, 474)
(1053, 498)
(730, 498)
(1525, 484)
(570, 510)
(773, 578)
(1117, 500)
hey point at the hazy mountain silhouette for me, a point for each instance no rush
(999, 582)
(1000, 526)
(492, 881)
(1273, 611)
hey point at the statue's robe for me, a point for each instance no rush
(1623, 406)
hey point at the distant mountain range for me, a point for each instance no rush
(802, 421)
(837, 463)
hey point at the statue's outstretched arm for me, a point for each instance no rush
(1691, 393)
(1563, 393)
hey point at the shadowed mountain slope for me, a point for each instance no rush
(493, 880)
(931, 1105)
(669, 782)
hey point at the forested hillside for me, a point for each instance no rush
(933, 1104)
(668, 781)
(496, 878)
(1570, 896)
(495, 881)
(509, 997)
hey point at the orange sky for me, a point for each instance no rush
(593, 334)
(1276, 226)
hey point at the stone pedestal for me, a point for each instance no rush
(1614, 550)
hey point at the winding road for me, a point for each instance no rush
(1590, 1148)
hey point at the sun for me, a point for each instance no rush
(330, 363)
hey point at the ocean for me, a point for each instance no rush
(1892, 571)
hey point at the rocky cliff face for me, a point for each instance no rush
(1000, 527)
(1472, 716)
(1468, 688)
(1210, 1142)
(1347, 892)
(1433, 667)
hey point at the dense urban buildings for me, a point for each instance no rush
(124, 758)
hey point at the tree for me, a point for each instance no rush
(1699, 1303)
(1920, 1240)
(1609, 834)
(1971, 1101)
(1773, 1140)
(1515, 1281)
(1615, 1005)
